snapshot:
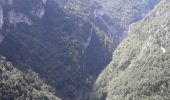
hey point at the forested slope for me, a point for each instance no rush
(67, 42)
(140, 66)
(16, 85)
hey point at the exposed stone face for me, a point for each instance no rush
(1, 17)
(1, 23)
(99, 12)
(44, 1)
(17, 17)
(38, 11)
(87, 43)
(7, 2)
(10, 2)
(1, 37)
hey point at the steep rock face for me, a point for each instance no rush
(1, 17)
(15, 18)
(16, 85)
(11, 13)
(139, 69)
(1, 23)
(39, 10)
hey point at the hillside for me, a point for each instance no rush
(139, 69)
(113, 16)
(16, 85)
(67, 42)
(126, 12)
(55, 44)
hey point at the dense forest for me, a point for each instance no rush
(140, 65)
(16, 85)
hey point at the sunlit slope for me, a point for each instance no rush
(140, 65)
(126, 12)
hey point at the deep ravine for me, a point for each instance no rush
(66, 42)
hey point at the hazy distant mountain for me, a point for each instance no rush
(140, 66)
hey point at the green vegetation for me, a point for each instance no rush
(16, 85)
(54, 46)
(80, 8)
(125, 12)
(140, 65)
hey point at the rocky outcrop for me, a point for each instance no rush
(7, 2)
(87, 43)
(11, 14)
(1, 17)
(1, 23)
(39, 10)
(44, 1)
(17, 17)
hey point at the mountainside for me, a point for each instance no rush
(126, 12)
(16, 85)
(140, 67)
(113, 16)
(41, 36)
(67, 42)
